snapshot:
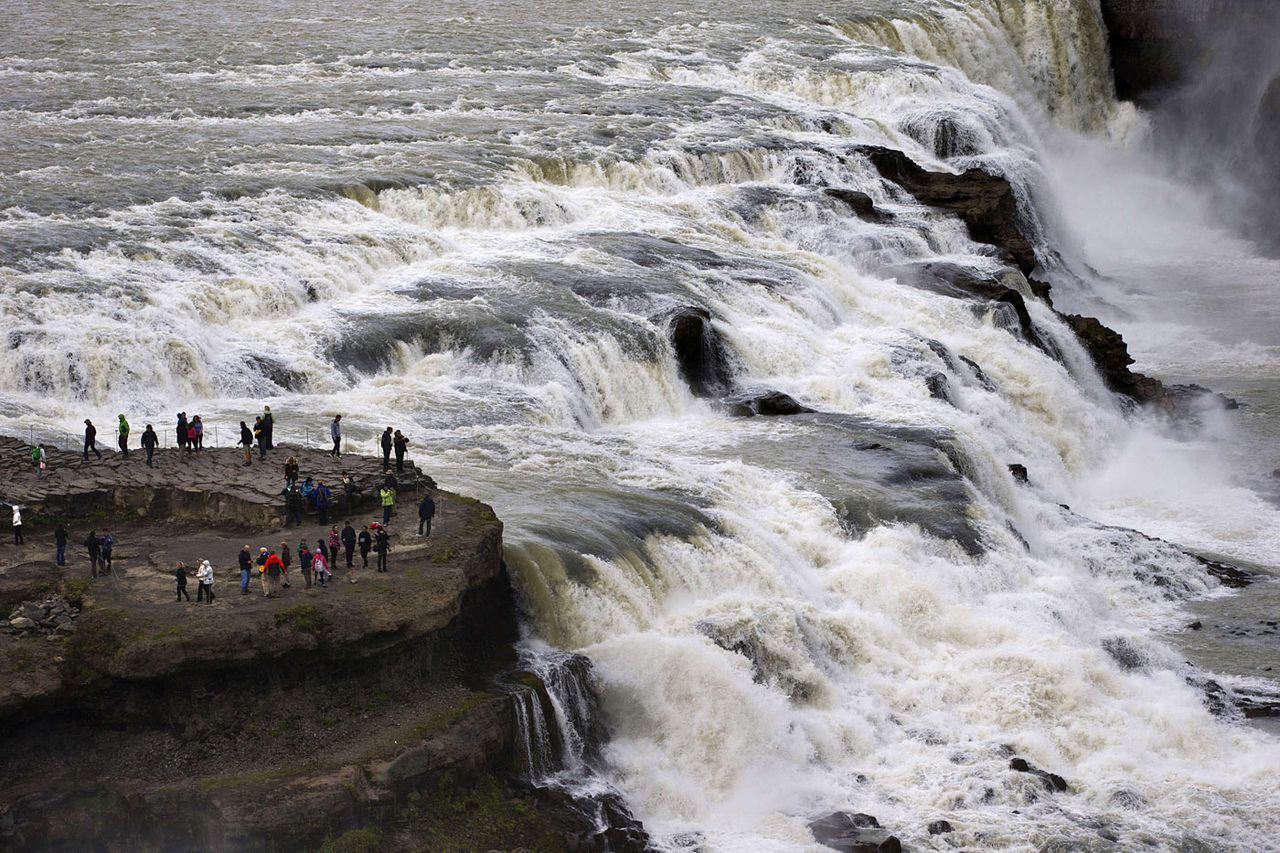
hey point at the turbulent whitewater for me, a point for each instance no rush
(475, 222)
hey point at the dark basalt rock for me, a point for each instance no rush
(1051, 781)
(940, 827)
(1226, 574)
(768, 403)
(1111, 355)
(701, 355)
(1019, 472)
(860, 203)
(1122, 651)
(985, 202)
(603, 821)
(854, 833)
(939, 387)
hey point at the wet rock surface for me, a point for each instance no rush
(854, 833)
(985, 202)
(766, 403)
(700, 354)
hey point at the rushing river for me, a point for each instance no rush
(472, 220)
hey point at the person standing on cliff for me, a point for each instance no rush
(291, 472)
(387, 441)
(401, 444)
(39, 460)
(260, 433)
(122, 434)
(150, 441)
(286, 558)
(304, 563)
(272, 572)
(426, 512)
(90, 440)
(94, 545)
(348, 538)
(198, 426)
(180, 578)
(17, 525)
(322, 497)
(268, 427)
(383, 548)
(60, 541)
(246, 564)
(205, 577)
(388, 496)
(335, 432)
(246, 441)
(182, 430)
(320, 563)
(366, 545)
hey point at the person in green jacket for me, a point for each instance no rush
(388, 496)
(123, 432)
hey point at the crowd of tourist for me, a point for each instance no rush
(301, 495)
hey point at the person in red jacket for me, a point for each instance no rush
(273, 572)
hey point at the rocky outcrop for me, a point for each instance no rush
(1111, 355)
(700, 354)
(1051, 781)
(854, 833)
(860, 203)
(1155, 43)
(985, 202)
(767, 403)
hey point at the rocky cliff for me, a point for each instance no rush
(356, 714)
(1155, 43)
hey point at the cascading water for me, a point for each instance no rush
(477, 224)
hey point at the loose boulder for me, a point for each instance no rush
(768, 403)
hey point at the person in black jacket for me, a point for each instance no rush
(387, 441)
(426, 512)
(293, 505)
(401, 445)
(149, 443)
(180, 576)
(366, 544)
(246, 441)
(268, 428)
(348, 537)
(182, 430)
(60, 540)
(246, 566)
(90, 440)
(94, 544)
(383, 547)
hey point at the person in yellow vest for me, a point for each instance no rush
(388, 496)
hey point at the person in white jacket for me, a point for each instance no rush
(205, 577)
(17, 525)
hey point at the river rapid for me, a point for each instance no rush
(473, 221)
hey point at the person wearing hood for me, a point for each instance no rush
(94, 546)
(246, 441)
(17, 525)
(180, 578)
(387, 441)
(366, 545)
(320, 564)
(205, 577)
(246, 565)
(426, 512)
(149, 443)
(272, 572)
(90, 440)
(122, 433)
(401, 444)
(383, 547)
(268, 427)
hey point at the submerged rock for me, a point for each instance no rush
(854, 833)
(985, 202)
(940, 827)
(1019, 472)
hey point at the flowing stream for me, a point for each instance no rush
(473, 221)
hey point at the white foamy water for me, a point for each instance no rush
(476, 226)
